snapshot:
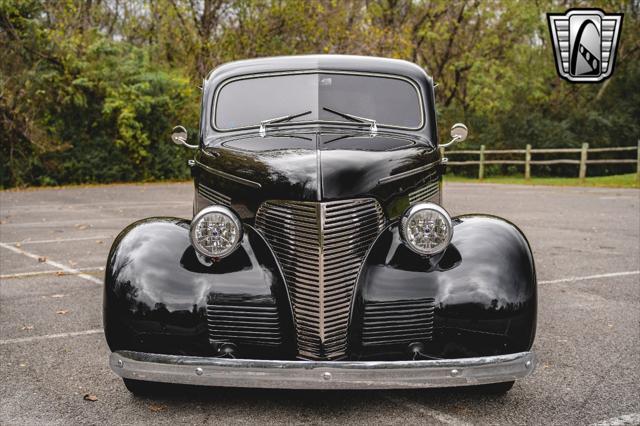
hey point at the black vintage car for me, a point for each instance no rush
(319, 254)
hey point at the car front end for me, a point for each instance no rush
(320, 255)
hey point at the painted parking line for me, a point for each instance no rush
(59, 240)
(438, 415)
(591, 277)
(37, 273)
(105, 204)
(52, 263)
(50, 336)
(627, 419)
(64, 222)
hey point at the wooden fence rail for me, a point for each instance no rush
(528, 162)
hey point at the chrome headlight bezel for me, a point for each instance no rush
(406, 219)
(197, 221)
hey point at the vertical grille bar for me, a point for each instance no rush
(320, 247)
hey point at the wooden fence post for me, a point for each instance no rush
(638, 163)
(481, 168)
(583, 162)
(527, 163)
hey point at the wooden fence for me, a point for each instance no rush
(583, 162)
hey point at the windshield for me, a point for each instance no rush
(389, 101)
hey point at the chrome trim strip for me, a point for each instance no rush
(226, 175)
(319, 189)
(213, 196)
(252, 373)
(214, 103)
(408, 173)
(428, 192)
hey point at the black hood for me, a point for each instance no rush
(316, 166)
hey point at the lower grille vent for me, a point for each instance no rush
(398, 322)
(429, 192)
(256, 325)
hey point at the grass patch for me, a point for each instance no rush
(93, 184)
(615, 181)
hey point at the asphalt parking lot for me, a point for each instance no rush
(53, 247)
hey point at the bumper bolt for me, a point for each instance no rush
(527, 364)
(326, 375)
(120, 363)
(455, 373)
(199, 371)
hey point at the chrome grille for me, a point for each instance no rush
(398, 322)
(213, 196)
(428, 192)
(258, 325)
(320, 247)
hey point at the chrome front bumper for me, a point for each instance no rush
(321, 374)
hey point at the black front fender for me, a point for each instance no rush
(159, 297)
(479, 298)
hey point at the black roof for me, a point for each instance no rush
(320, 62)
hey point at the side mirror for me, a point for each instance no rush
(179, 137)
(459, 132)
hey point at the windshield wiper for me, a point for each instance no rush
(263, 123)
(373, 129)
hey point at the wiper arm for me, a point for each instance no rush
(373, 129)
(263, 123)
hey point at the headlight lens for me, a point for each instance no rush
(215, 231)
(426, 228)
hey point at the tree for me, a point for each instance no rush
(89, 89)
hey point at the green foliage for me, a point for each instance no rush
(103, 110)
(90, 90)
(629, 180)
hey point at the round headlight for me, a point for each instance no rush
(215, 231)
(426, 228)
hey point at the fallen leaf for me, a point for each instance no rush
(62, 312)
(60, 273)
(99, 241)
(57, 296)
(157, 407)
(27, 327)
(42, 259)
(89, 397)
(81, 226)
